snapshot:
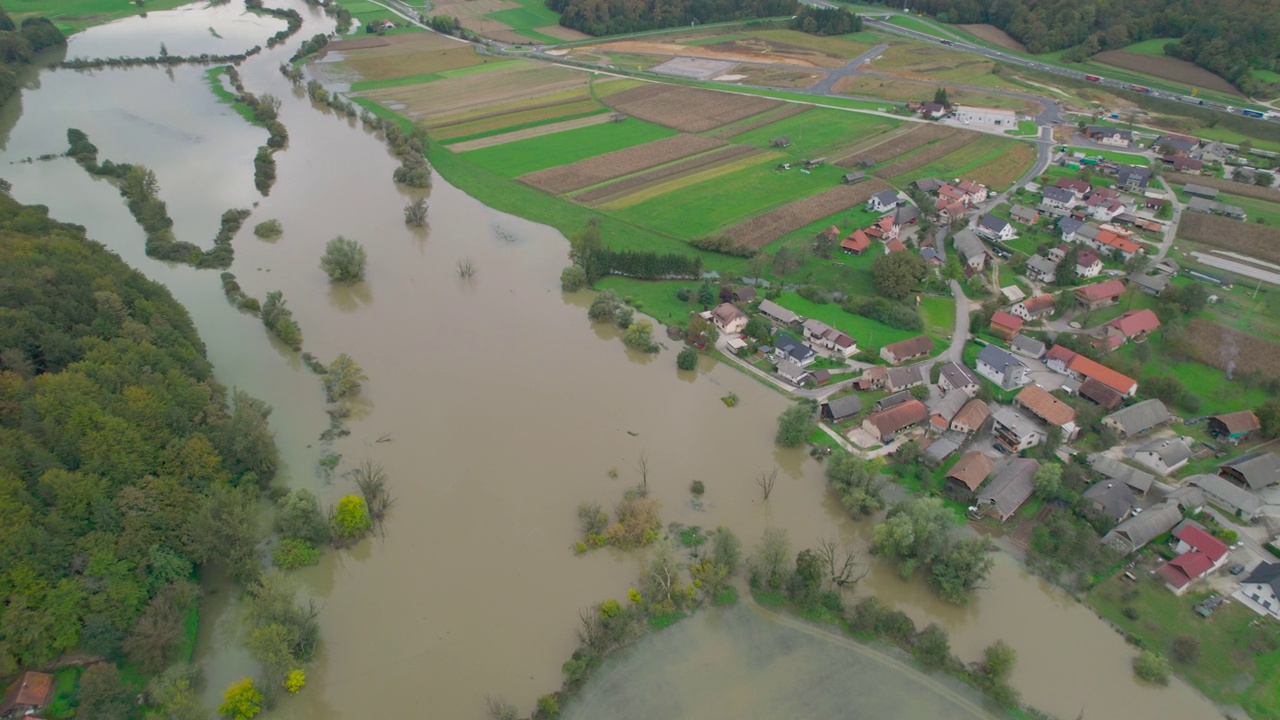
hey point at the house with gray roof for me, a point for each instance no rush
(1141, 529)
(1254, 471)
(1088, 231)
(944, 447)
(1230, 496)
(942, 411)
(1058, 197)
(786, 347)
(1068, 227)
(1132, 178)
(955, 376)
(1024, 214)
(1138, 418)
(902, 378)
(995, 227)
(1138, 480)
(1150, 284)
(971, 249)
(1164, 455)
(1001, 368)
(906, 214)
(777, 313)
(883, 201)
(1027, 347)
(1260, 592)
(1112, 499)
(841, 408)
(1009, 489)
(792, 371)
(1041, 268)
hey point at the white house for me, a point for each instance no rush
(1034, 308)
(728, 318)
(955, 376)
(1260, 592)
(996, 228)
(1056, 197)
(977, 115)
(1002, 368)
(1014, 431)
(790, 370)
(883, 201)
(975, 191)
(970, 248)
(1041, 268)
(1088, 264)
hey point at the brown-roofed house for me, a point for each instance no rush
(909, 349)
(1097, 295)
(27, 694)
(1100, 394)
(971, 416)
(728, 318)
(886, 424)
(746, 293)
(856, 244)
(967, 475)
(1048, 408)
(1004, 325)
(1135, 324)
(1234, 426)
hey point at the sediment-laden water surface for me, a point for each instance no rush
(493, 404)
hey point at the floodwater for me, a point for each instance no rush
(493, 404)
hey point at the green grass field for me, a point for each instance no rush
(870, 334)
(1225, 135)
(819, 131)
(1154, 46)
(363, 85)
(367, 12)
(75, 15)
(525, 156)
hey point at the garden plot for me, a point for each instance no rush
(764, 229)
(399, 56)
(602, 168)
(687, 109)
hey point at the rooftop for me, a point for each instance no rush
(972, 468)
(1047, 407)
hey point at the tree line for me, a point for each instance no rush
(164, 58)
(266, 112)
(18, 43)
(611, 17)
(825, 21)
(290, 16)
(592, 261)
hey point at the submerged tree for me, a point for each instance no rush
(415, 213)
(344, 260)
(343, 378)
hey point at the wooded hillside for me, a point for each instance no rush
(610, 17)
(19, 43)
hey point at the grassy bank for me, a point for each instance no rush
(72, 16)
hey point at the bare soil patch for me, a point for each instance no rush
(593, 171)
(1258, 241)
(1231, 350)
(790, 110)
(776, 77)
(920, 134)
(622, 188)
(761, 230)
(504, 138)
(1167, 68)
(504, 89)
(1228, 186)
(995, 36)
(750, 50)
(927, 155)
(687, 109)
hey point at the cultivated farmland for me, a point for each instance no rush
(1229, 186)
(525, 134)
(927, 155)
(1258, 241)
(538, 153)
(687, 109)
(1167, 68)
(615, 191)
(995, 36)
(991, 160)
(602, 168)
(919, 135)
(819, 132)
(1231, 350)
(782, 113)
(764, 229)
(380, 58)
(502, 89)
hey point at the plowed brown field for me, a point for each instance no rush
(927, 155)
(592, 171)
(1231, 350)
(687, 109)
(1257, 241)
(1167, 68)
(921, 134)
(764, 229)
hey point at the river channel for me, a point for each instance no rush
(493, 404)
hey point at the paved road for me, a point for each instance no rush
(826, 86)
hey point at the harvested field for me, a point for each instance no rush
(1231, 350)
(1257, 241)
(1005, 169)
(601, 168)
(617, 190)
(405, 59)
(1227, 186)
(527, 133)
(507, 88)
(995, 36)
(420, 42)
(789, 110)
(772, 76)
(920, 134)
(764, 229)
(743, 50)
(928, 155)
(495, 122)
(687, 109)
(1167, 68)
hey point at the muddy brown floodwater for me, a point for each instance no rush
(504, 408)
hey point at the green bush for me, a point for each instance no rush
(268, 229)
(344, 260)
(1152, 667)
(687, 359)
(292, 554)
(350, 519)
(697, 488)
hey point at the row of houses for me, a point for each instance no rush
(953, 199)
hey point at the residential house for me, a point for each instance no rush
(971, 249)
(883, 229)
(744, 294)
(1107, 135)
(1058, 197)
(1015, 432)
(786, 347)
(1176, 144)
(905, 350)
(1154, 285)
(929, 254)
(1037, 401)
(1059, 359)
(1199, 554)
(955, 376)
(27, 695)
(1260, 592)
(856, 244)
(975, 191)
(1078, 187)
(996, 228)
(792, 371)
(1183, 164)
(1042, 269)
(1001, 368)
(883, 201)
(948, 211)
(1111, 499)
(1132, 178)
(892, 400)
(967, 475)
(1200, 191)
(971, 417)
(1111, 243)
(1139, 481)
(931, 110)
(1035, 308)
(829, 235)
(1099, 394)
(906, 214)
(1104, 209)
(1164, 455)
(902, 378)
(1141, 529)
(1088, 264)
(885, 425)
(953, 194)
(1234, 426)
(1027, 347)
(1138, 418)
(946, 409)
(1004, 325)
(1009, 489)
(834, 411)
(822, 335)
(1107, 292)
(873, 378)
(894, 246)
(1068, 227)
(1134, 325)
(1082, 368)
(1252, 471)
(728, 318)
(1226, 494)
(777, 313)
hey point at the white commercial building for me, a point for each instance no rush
(995, 117)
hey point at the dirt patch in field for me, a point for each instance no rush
(622, 188)
(750, 50)
(902, 90)
(764, 229)
(920, 134)
(1167, 68)
(791, 110)
(1257, 241)
(527, 133)
(505, 89)
(601, 168)
(927, 155)
(419, 41)
(1228, 186)
(687, 109)
(995, 36)
(1231, 350)
(774, 77)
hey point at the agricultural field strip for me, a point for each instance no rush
(927, 155)
(790, 110)
(593, 171)
(526, 133)
(687, 109)
(1227, 186)
(730, 171)
(918, 136)
(1165, 68)
(570, 105)
(761, 230)
(1249, 239)
(1206, 340)
(621, 187)
(483, 92)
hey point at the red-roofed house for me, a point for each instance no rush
(1112, 244)
(1133, 325)
(1004, 325)
(27, 694)
(893, 246)
(1097, 295)
(975, 191)
(1083, 368)
(1059, 358)
(883, 229)
(952, 193)
(1079, 187)
(1034, 308)
(856, 244)
(1199, 554)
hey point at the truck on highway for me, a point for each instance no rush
(1139, 88)
(1252, 113)
(1093, 78)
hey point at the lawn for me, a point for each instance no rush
(1117, 156)
(1217, 393)
(75, 15)
(939, 315)
(1268, 212)
(1154, 46)
(531, 14)
(1229, 643)
(1026, 128)
(538, 153)
(482, 65)
(870, 334)
(656, 298)
(819, 131)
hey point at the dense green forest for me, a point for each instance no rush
(1228, 37)
(122, 465)
(610, 17)
(19, 43)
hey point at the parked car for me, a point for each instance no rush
(1236, 569)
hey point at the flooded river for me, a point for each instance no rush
(493, 404)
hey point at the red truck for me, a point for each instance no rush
(1139, 88)
(1093, 78)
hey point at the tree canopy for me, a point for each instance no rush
(610, 17)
